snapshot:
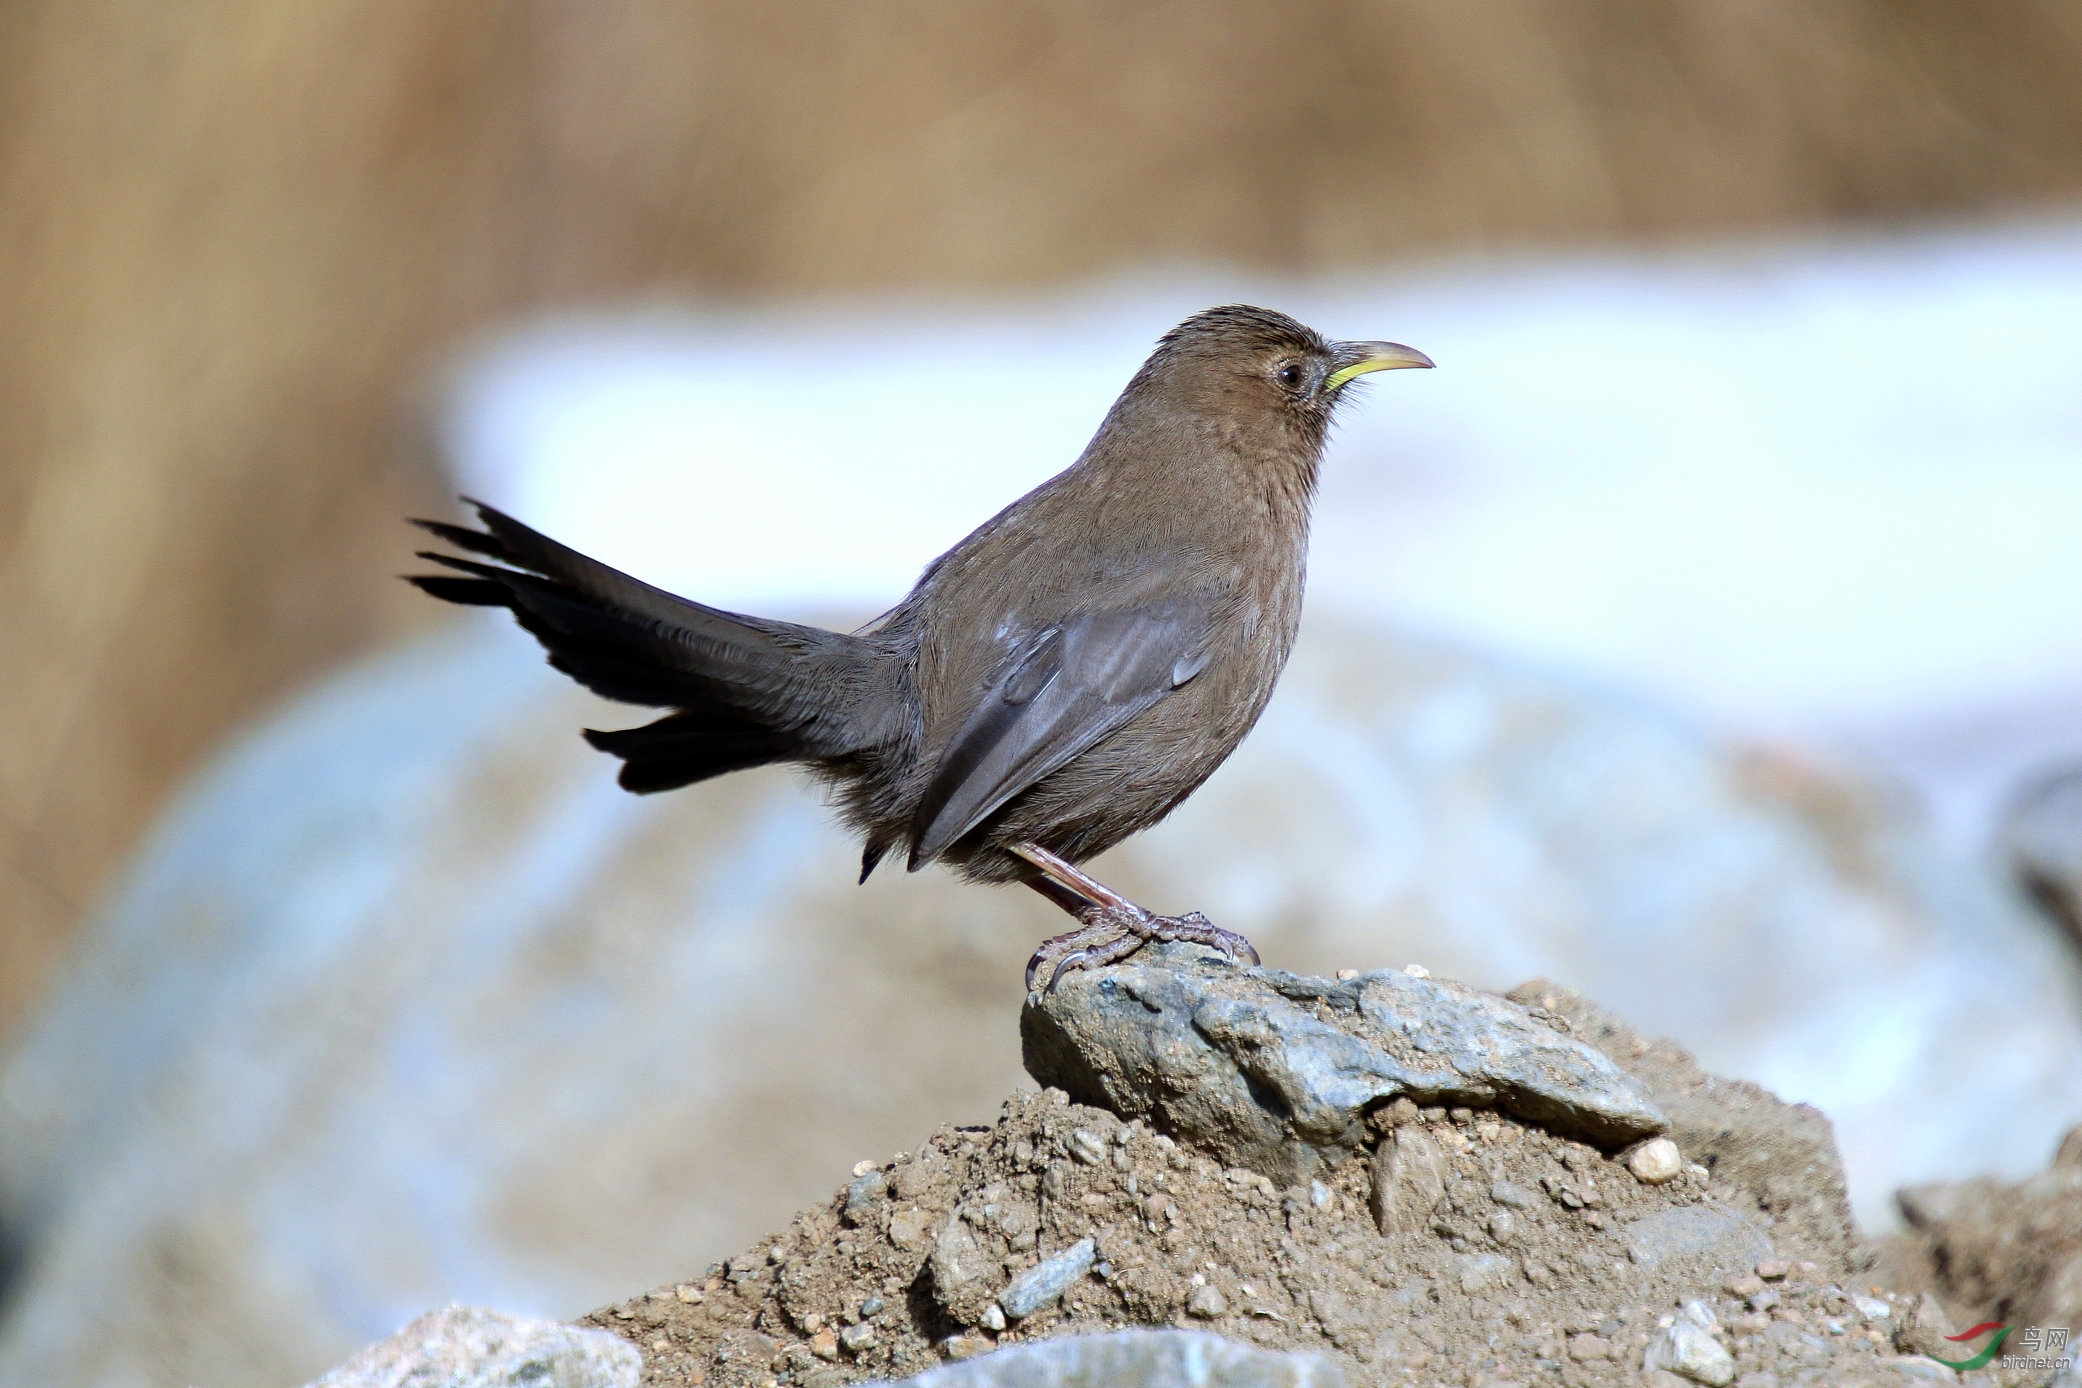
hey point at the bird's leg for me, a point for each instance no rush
(1111, 926)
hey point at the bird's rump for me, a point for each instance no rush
(1065, 689)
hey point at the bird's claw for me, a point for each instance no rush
(1110, 934)
(1065, 945)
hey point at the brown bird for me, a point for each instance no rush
(1059, 680)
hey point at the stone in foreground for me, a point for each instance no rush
(1137, 1359)
(1042, 1285)
(1687, 1348)
(1277, 1072)
(470, 1347)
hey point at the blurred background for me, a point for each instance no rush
(1702, 633)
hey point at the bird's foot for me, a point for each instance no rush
(1110, 934)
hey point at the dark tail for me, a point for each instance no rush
(747, 691)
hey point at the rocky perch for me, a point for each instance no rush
(1282, 1074)
(1244, 1177)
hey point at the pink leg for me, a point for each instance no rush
(1111, 926)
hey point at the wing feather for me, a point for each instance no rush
(1069, 687)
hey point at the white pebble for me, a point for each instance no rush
(1656, 1161)
(1416, 971)
(1688, 1350)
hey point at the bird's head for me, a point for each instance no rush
(1254, 363)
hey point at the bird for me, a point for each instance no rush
(1061, 679)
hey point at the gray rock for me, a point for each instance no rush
(469, 1347)
(1136, 1359)
(1048, 1279)
(1687, 1348)
(1240, 1062)
(961, 1271)
(1703, 1241)
(1409, 1177)
(863, 1194)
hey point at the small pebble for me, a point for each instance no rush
(1347, 975)
(1087, 1147)
(871, 1307)
(863, 1194)
(1416, 971)
(1587, 1347)
(857, 1337)
(824, 1344)
(690, 1295)
(1656, 1161)
(1774, 1269)
(994, 1318)
(1745, 1287)
(963, 1346)
(1207, 1303)
(1870, 1309)
(1763, 1300)
(861, 1168)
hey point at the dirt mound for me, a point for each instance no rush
(1417, 1180)
(1537, 1256)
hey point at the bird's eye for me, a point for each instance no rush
(1289, 374)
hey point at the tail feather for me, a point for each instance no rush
(748, 691)
(682, 748)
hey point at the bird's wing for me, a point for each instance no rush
(1068, 687)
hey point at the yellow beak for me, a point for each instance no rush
(1362, 357)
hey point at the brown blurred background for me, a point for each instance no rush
(241, 239)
